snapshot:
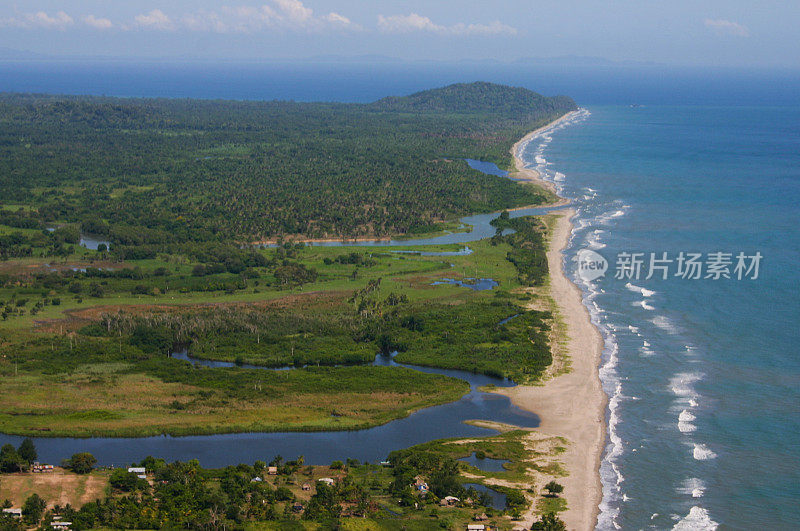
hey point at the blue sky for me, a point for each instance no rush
(680, 32)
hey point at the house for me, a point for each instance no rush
(256, 480)
(59, 524)
(481, 517)
(476, 527)
(272, 471)
(448, 501)
(13, 512)
(327, 481)
(420, 484)
(297, 507)
(306, 486)
(386, 463)
(140, 471)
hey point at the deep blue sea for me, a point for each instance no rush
(703, 375)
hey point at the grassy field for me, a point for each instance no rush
(60, 381)
(109, 400)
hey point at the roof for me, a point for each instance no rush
(137, 469)
(13, 511)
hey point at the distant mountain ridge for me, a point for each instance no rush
(477, 97)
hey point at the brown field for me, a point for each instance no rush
(76, 318)
(60, 487)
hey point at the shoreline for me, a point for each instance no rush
(529, 174)
(570, 405)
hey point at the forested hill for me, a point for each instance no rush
(158, 172)
(478, 97)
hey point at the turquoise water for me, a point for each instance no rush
(703, 375)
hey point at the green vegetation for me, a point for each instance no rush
(79, 386)
(422, 487)
(477, 97)
(80, 463)
(181, 189)
(156, 173)
(112, 377)
(528, 252)
(470, 337)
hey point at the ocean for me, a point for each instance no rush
(703, 374)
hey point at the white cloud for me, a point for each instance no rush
(40, 19)
(97, 23)
(407, 23)
(294, 11)
(337, 19)
(290, 15)
(155, 19)
(415, 22)
(727, 27)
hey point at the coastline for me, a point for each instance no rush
(570, 405)
(524, 174)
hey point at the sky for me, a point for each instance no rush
(741, 33)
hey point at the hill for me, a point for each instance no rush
(478, 97)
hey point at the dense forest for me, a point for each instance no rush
(158, 172)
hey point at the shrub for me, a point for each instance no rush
(81, 463)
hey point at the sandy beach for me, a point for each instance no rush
(571, 405)
(529, 174)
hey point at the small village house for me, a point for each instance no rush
(140, 471)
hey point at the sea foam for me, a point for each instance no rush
(685, 421)
(693, 486)
(702, 452)
(638, 289)
(698, 519)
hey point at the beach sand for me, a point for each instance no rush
(571, 405)
(529, 174)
